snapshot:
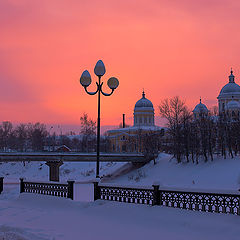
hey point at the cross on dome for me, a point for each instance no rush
(231, 77)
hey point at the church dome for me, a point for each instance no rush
(143, 112)
(143, 103)
(231, 88)
(233, 105)
(200, 108)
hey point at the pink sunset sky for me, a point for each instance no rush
(169, 48)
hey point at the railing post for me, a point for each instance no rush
(21, 185)
(70, 189)
(156, 195)
(96, 191)
(1, 184)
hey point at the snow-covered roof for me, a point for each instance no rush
(136, 128)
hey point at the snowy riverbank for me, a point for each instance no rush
(35, 217)
(221, 174)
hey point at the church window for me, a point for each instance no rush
(140, 120)
(233, 113)
(223, 106)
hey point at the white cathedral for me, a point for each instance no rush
(228, 101)
(228, 104)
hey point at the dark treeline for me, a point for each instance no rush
(193, 138)
(35, 137)
(22, 137)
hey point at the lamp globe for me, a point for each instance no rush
(99, 69)
(85, 79)
(113, 83)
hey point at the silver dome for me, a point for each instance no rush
(143, 103)
(200, 108)
(230, 88)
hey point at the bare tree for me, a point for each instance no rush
(88, 130)
(6, 130)
(174, 110)
(21, 134)
(37, 134)
(151, 143)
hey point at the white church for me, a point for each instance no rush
(228, 101)
(228, 104)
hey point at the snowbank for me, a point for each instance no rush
(39, 171)
(44, 217)
(221, 174)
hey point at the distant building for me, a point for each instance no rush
(128, 139)
(228, 102)
(63, 148)
(229, 96)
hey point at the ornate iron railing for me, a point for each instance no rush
(125, 194)
(1, 184)
(200, 201)
(190, 200)
(53, 189)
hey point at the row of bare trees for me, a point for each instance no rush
(202, 137)
(35, 137)
(22, 137)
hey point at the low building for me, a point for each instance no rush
(130, 139)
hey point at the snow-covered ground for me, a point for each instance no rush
(35, 217)
(222, 174)
(29, 216)
(79, 171)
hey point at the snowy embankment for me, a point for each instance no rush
(79, 171)
(35, 217)
(28, 216)
(221, 174)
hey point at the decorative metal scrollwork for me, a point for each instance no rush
(207, 202)
(130, 195)
(59, 190)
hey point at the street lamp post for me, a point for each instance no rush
(112, 83)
